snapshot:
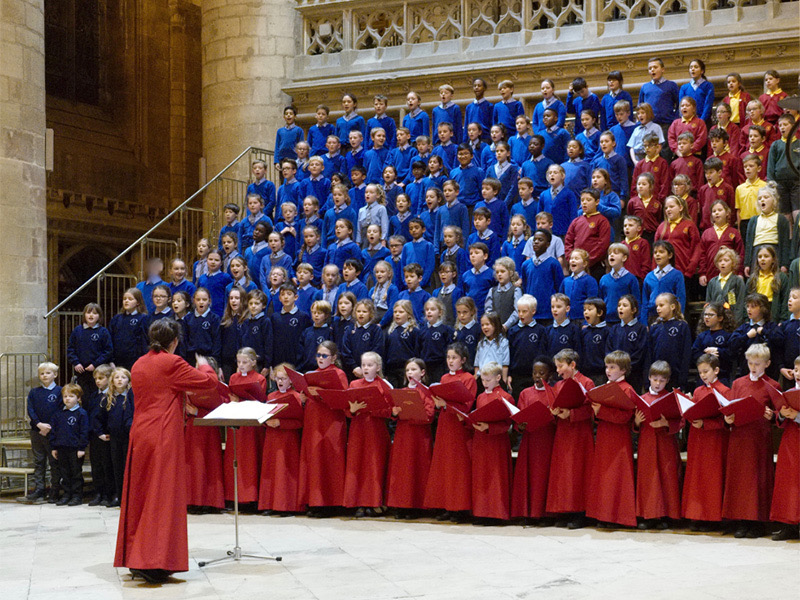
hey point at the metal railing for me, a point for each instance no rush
(18, 374)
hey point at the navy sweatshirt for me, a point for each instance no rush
(566, 336)
(401, 344)
(129, 336)
(203, 335)
(593, 349)
(43, 403)
(469, 336)
(525, 343)
(117, 420)
(357, 340)
(89, 346)
(433, 342)
(70, 429)
(310, 340)
(92, 405)
(257, 334)
(633, 339)
(287, 329)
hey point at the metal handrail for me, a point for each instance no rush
(153, 228)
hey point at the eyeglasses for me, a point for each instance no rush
(319, 355)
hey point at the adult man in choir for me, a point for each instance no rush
(152, 539)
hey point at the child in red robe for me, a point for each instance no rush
(573, 450)
(280, 461)
(249, 440)
(786, 495)
(324, 445)
(531, 473)
(704, 480)
(449, 484)
(491, 454)
(204, 471)
(368, 444)
(749, 470)
(658, 493)
(410, 458)
(612, 496)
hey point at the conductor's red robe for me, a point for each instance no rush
(249, 442)
(450, 478)
(491, 464)
(612, 495)
(531, 473)
(280, 464)
(704, 480)
(152, 524)
(786, 494)
(204, 471)
(410, 461)
(367, 453)
(322, 452)
(572, 457)
(749, 469)
(658, 493)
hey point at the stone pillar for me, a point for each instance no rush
(23, 243)
(248, 49)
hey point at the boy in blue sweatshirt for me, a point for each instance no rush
(401, 156)
(526, 340)
(528, 206)
(614, 163)
(288, 325)
(333, 160)
(559, 201)
(319, 132)
(446, 149)
(593, 338)
(608, 111)
(467, 176)
(618, 281)
(541, 273)
(382, 120)
(230, 212)
(579, 285)
(478, 280)
(262, 187)
(535, 168)
(70, 436)
(412, 274)
(490, 188)
(480, 110)
(579, 99)
(481, 220)
(42, 404)
(287, 136)
(447, 112)
(419, 251)
(555, 137)
(507, 110)
(351, 283)
(564, 332)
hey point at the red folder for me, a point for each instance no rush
(452, 391)
(298, 381)
(335, 399)
(412, 405)
(498, 409)
(747, 410)
(703, 406)
(210, 399)
(792, 398)
(251, 390)
(571, 395)
(534, 416)
(776, 398)
(327, 380)
(611, 395)
(665, 405)
(293, 410)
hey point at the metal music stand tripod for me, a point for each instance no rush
(235, 554)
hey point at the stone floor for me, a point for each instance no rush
(62, 553)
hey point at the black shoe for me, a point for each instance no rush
(741, 531)
(63, 502)
(114, 503)
(105, 502)
(577, 523)
(755, 531)
(35, 497)
(662, 524)
(151, 575)
(52, 497)
(562, 524)
(75, 501)
(360, 513)
(445, 516)
(461, 516)
(412, 514)
(96, 500)
(789, 532)
(645, 524)
(267, 513)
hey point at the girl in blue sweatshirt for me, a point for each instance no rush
(128, 329)
(215, 281)
(202, 328)
(402, 341)
(116, 418)
(435, 338)
(365, 335)
(671, 340)
(89, 346)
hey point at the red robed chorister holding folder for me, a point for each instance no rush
(327, 380)
(571, 395)
(534, 416)
(452, 391)
(665, 405)
(611, 395)
(747, 409)
(340, 399)
(411, 403)
(293, 410)
(704, 405)
(790, 398)
(251, 390)
(498, 409)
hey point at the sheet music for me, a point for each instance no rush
(247, 409)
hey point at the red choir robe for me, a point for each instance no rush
(531, 473)
(410, 460)
(450, 477)
(786, 493)
(658, 492)
(204, 470)
(280, 463)
(152, 530)
(704, 480)
(323, 452)
(572, 457)
(749, 468)
(367, 453)
(250, 442)
(612, 495)
(491, 464)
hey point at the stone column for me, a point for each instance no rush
(23, 243)
(248, 50)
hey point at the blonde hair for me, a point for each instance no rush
(725, 251)
(526, 229)
(674, 303)
(437, 303)
(73, 388)
(322, 306)
(374, 356)
(583, 254)
(757, 351)
(620, 359)
(508, 264)
(103, 371)
(491, 369)
(681, 202)
(771, 190)
(529, 301)
(379, 191)
(47, 365)
(408, 308)
(620, 248)
(112, 393)
(248, 352)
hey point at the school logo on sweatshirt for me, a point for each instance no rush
(71, 420)
(719, 340)
(95, 337)
(206, 325)
(470, 339)
(633, 336)
(255, 330)
(293, 322)
(436, 336)
(563, 338)
(134, 322)
(533, 337)
(672, 331)
(597, 339)
(52, 398)
(365, 336)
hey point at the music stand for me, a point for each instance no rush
(233, 424)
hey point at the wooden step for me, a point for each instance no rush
(16, 443)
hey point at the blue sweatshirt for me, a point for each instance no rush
(287, 329)
(128, 337)
(43, 403)
(593, 349)
(433, 342)
(567, 335)
(401, 344)
(203, 335)
(257, 334)
(578, 290)
(89, 346)
(671, 341)
(117, 420)
(70, 429)
(541, 279)
(359, 339)
(525, 343)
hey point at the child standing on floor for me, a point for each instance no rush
(658, 496)
(42, 404)
(364, 336)
(116, 418)
(707, 447)
(612, 495)
(713, 334)
(280, 459)
(367, 444)
(532, 470)
(69, 439)
(99, 451)
(410, 458)
(749, 469)
(449, 484)
(573, 450)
